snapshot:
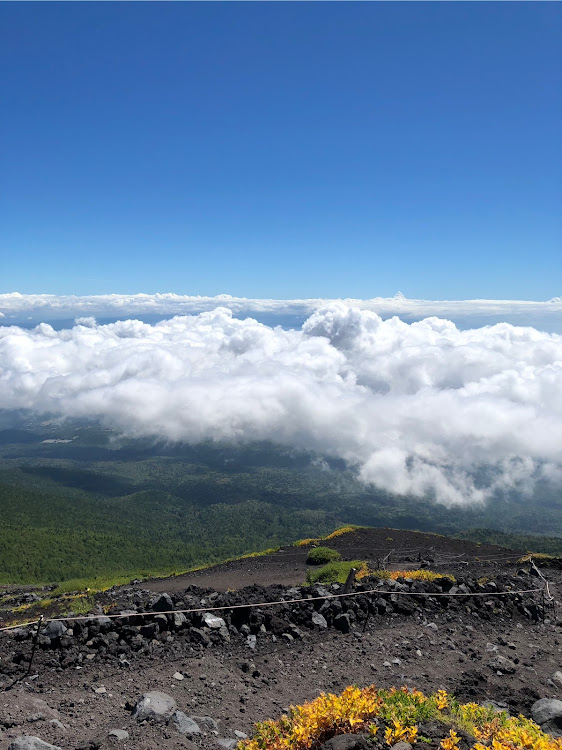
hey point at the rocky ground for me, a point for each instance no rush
(220, 671)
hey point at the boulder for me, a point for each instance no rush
(130, 617)
(162, 603)
(119, 734)
(178, 620)
(548, 713)
(319, 620)
(150, 631)
(405, 605)
(19, 707)
(185, 724)
(342, 623)
(199, 636)
(224, 634)
(212, 621)
(347, 742)
(30, 743)
(53, 630)
(162, 622)
(502, 664)
(156, 706)
(207, 723)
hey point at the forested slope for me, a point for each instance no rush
(93, 504)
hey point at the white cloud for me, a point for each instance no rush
(466, 313)
(416, 407)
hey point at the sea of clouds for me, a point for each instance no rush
(30, 309)
(418, 408)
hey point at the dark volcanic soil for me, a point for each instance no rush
(288, 565)
(231, 682)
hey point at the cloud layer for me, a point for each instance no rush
(418, 408)
(467, 313)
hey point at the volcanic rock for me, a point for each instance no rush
(30, 743)
(118, 734)
(155, 705)
(548, 713)
(185, 724)
(347, 742)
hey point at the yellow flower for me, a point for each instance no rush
(441, 699)
(354, 710)
(450, 742)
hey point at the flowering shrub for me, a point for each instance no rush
(315, 722)
(399, 712)
(450, 742)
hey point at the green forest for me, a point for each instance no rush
(85, 504)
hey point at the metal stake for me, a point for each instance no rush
(34, 648)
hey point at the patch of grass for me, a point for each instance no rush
(305, 542)
(342, 530)
(91, 585)
(415, 575)
(100, 583)
(322, 555)
(535, 556)
(22, 608)
(338, 532)
(259, 554)
(337, 572)
(420, 575)
(80, 604)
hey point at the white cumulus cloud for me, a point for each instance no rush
(418, 408)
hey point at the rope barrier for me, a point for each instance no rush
(546, 588)
(275, 603)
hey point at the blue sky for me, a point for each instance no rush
(282, 149)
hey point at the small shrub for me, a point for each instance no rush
(78, 605)
(382, 574)
(397, 712)
(337, 572)
(322, 555)
(91, 585)
(536, 555)
(305, 542)
(415, 575)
